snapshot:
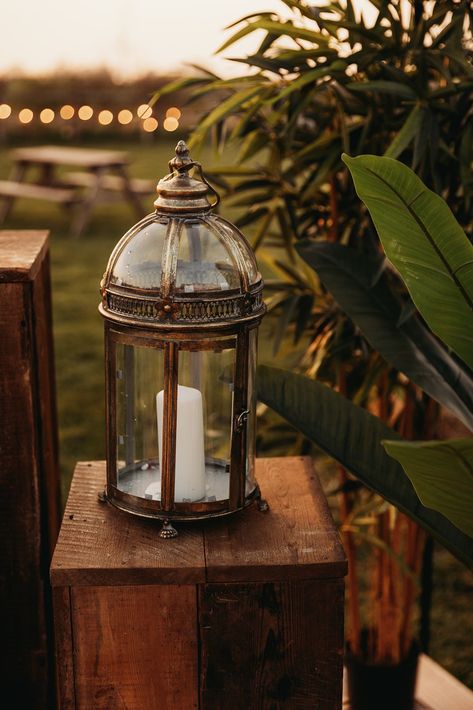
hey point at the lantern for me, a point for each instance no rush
(182, 301)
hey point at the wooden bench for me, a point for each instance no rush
(60, 195)
(113, 183)
(104, 176)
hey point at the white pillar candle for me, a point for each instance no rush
(190, 454)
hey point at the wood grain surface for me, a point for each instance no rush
(21, 254)
(272, 646)
(243, 612)
(64, 649)
(100, 545)
(296, 539)
(29, 476)
(135, 648)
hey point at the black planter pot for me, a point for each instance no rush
(372, 686)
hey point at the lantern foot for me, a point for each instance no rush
(102, 496)
(167, 531)
(262, 505)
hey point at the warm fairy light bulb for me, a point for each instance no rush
(144, 111)
(170, 123)
(150, 125)
(5, 110)
(85, 113)
(105, 117)
(173, 112)
(25, 115)
(66, 112)
(46, 115)
(125, 116)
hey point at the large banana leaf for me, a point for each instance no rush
(359, 284)
(425, 243)
(353, 437)
(442, 474)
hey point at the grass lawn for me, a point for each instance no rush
(77, 267)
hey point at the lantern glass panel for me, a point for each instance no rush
(139, 377)
(204, 424)
(246, 254)
(139, 263)
(205, 263)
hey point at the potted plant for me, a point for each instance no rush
(429, 480)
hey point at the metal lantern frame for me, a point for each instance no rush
(160, 318)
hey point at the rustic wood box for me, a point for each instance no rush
(237, 614)
(29, 475)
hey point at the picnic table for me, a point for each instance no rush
(99, 175)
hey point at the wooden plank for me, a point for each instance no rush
(135, 647)
(114, 183)
(439, 690)
(21, 254)
(29, 476)
(23, 650)
(64, 650)
(42, 357)
(36, 192)
(274, 645)
(296, 539)
(59, 155)
(100, 545)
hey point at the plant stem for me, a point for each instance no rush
(346, 505)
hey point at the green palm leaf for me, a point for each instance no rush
(442, 474)
(360, 285)
(425, 243)
(353, 437)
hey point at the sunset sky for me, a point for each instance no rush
(127, 36)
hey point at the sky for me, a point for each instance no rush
(129, 37)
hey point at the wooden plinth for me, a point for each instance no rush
(245, 612)
(29, 475)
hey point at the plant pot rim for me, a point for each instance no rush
(363, 659)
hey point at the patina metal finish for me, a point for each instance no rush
(156, 312)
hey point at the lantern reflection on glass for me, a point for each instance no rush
(182, 301)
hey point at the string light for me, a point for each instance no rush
(46, 115)
(85, 113)
(66, 112)
(105, 117)
(5, 110)
(173, 112)
(25, 115)
(125, 116)
(144, 111)
(170, 123)
(150, 125)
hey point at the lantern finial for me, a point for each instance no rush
(182, 161)
(178, 192)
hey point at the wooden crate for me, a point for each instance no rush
(242, 613)
(29, 479)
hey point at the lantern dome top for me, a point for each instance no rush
(182, 264)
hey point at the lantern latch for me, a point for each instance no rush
(241, 420)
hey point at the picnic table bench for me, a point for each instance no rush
(102, 174)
